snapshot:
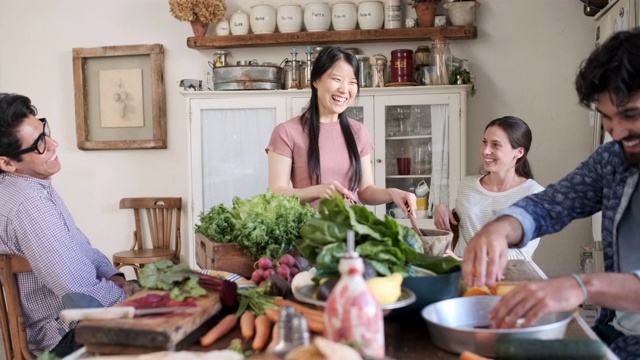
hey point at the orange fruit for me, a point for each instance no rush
(475, 291)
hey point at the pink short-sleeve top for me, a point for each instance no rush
(291, 140)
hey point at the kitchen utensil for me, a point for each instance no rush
(414, 225)
(306, 294)
(460, 324)
(115, 312)
(397, 213)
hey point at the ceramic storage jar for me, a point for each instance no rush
(344, 16)
(317, 16)
(263, 19)
(289, 18)
(239, 23)
(370, 15)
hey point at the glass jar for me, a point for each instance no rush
(364, 76)
(442, 60)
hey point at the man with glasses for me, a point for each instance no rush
(35, 223)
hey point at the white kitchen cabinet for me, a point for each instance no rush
(228, 131)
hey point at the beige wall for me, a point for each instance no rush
(524, 60)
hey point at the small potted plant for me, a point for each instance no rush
(425, 11)
(200, 13)
(460, 76)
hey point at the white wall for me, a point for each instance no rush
(524, 59)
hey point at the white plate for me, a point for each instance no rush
(305, 294)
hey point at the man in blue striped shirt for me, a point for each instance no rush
(36, 224)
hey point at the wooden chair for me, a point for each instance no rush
(163, 219)
(14, 333)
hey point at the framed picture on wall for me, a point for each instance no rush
(120, 97)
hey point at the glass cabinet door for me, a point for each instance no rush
(414, 137)
(228, 138)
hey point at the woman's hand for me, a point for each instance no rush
(325, 191)
(443, 217)
(405, 200)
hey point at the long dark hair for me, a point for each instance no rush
(519, 135)
(14, 109)
(612, 68)
(325, 60)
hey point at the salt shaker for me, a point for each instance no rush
(352, 314)
(293, 331)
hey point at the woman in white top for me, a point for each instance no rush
(505, 177)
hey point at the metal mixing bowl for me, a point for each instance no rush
(459, 324)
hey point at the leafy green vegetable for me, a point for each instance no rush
(255, 300)
(191, 288)
(164, 275)
(264, 225)
(388, 246)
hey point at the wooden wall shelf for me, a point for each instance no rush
(332, 37)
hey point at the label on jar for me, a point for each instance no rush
(393, 14)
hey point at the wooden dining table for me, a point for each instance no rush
(405, 338)
(408, 339)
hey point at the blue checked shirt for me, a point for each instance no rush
(36, 224)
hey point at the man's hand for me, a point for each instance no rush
(526, 303)
(119, 280)
(486, 254)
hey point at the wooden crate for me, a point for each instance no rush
(222, 256)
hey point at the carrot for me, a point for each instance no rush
(298, 307)
(315, 325)
(274, 336)
(224, 326)
(263, 327)
(272, 314)
(468, 355)
(246, 324)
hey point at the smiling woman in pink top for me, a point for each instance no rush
(322, 152)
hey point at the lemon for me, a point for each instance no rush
(386, 289)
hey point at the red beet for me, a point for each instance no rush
(284, 271)
(258, 276)
(287, 260)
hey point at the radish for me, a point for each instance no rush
(287, 260)
(268, 273)
(265, 263)
(284, 271)
(258, 276)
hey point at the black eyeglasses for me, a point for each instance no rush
(40, 145)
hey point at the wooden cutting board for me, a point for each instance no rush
(147, 333)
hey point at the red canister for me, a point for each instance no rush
(402, 66)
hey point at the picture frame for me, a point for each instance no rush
(120, 97)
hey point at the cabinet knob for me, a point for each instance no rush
(379, 161)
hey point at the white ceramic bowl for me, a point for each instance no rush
(317, 16)
(289, 18)
(239, 23)
(263, 19)
(370, 15)
(344, 16)
(459, 324)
